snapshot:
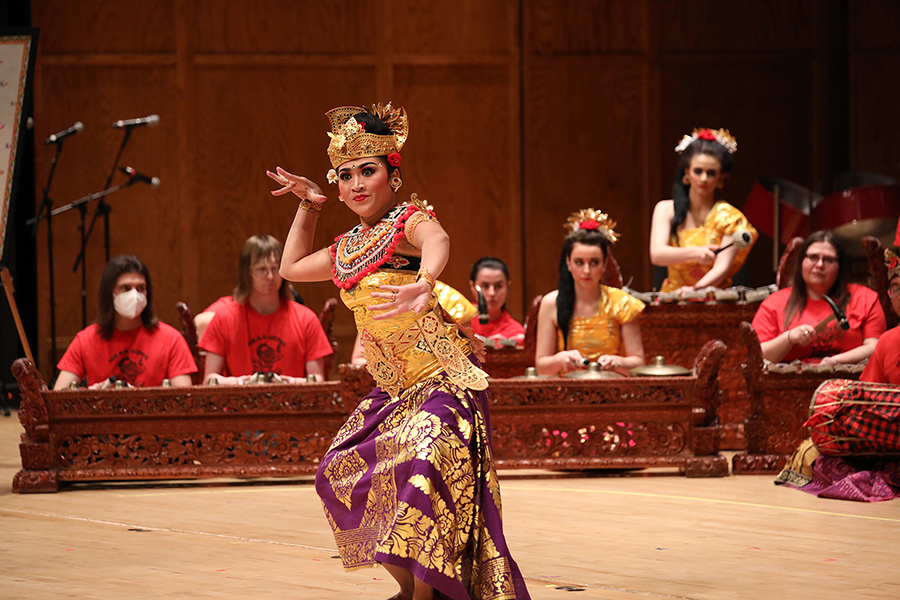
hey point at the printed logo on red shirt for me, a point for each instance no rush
(129, 364)
(265, 352)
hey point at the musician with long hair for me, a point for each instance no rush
(791, 323)
(259, 328)
(409, 480)
(703, 242)
(584, 319)
(127, 342)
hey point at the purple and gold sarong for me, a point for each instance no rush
(410, 481)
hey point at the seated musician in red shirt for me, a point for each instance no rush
(263, 330)
(127, 342)
(491, 276)
(789, 322)
(884, 364)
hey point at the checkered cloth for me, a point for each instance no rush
(850, 418)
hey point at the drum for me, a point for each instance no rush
(855, 418)
(793, 210)
(861, 211)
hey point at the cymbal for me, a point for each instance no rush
(593, 371)
(659, 368)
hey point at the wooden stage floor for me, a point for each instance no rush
(651, 535)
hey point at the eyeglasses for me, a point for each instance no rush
(264, 271)
(828, 261)
(894, 291)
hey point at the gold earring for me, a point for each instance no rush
(341, 198)
(395, 183)
(685, 180)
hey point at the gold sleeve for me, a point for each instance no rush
(623, 307)
(457, 305)
(727, 219)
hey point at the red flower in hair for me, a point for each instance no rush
(361, 125)
(894, 262)
(394, 159)
(590, 224)
(706, 134)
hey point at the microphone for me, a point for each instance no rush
(740, 239)
(483, 316)
(151, 121)
(138, 176)
(58, 137)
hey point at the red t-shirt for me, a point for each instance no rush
(220, 304)
(282, 342)
(884, 364)
(863, 311)
(503, 327)
(142, 357)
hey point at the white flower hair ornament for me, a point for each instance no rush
(332, 176)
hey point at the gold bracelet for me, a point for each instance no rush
(424, 274)
(309, 205)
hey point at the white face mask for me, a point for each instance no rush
(130, 304)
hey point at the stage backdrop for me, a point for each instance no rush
(521, 111)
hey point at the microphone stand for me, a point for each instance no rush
(46, 206)
(102, 209)
(81, 205)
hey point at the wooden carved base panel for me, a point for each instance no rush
(114, 451)
(589, 440)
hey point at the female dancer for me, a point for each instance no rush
(691, 233)
(409, 480)
(491, 276)
(583, 318)
(786, 321)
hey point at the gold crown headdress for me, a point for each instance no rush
(588, 218)
(349, 139)
(892, 262)
(719, 135)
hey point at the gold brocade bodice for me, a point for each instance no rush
(601, 333)
(408, 348)
(723, 219)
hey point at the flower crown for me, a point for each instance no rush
(349, 139)
(719, 135)
(588, 218)
(892, 262)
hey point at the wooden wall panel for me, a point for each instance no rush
(874, 48)
(583, 145)
(327, 29)
(461, 160)
(585, 27)
(105, 26)
(464, 29)
(713, 26)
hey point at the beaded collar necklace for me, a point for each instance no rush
(361, 250)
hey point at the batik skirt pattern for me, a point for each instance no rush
(409, 481)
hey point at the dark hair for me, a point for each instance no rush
(376, 126)
(256, 248)
(565, 295)
(489, 262)
(680, 192)
(114, 269)
(838, 292)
